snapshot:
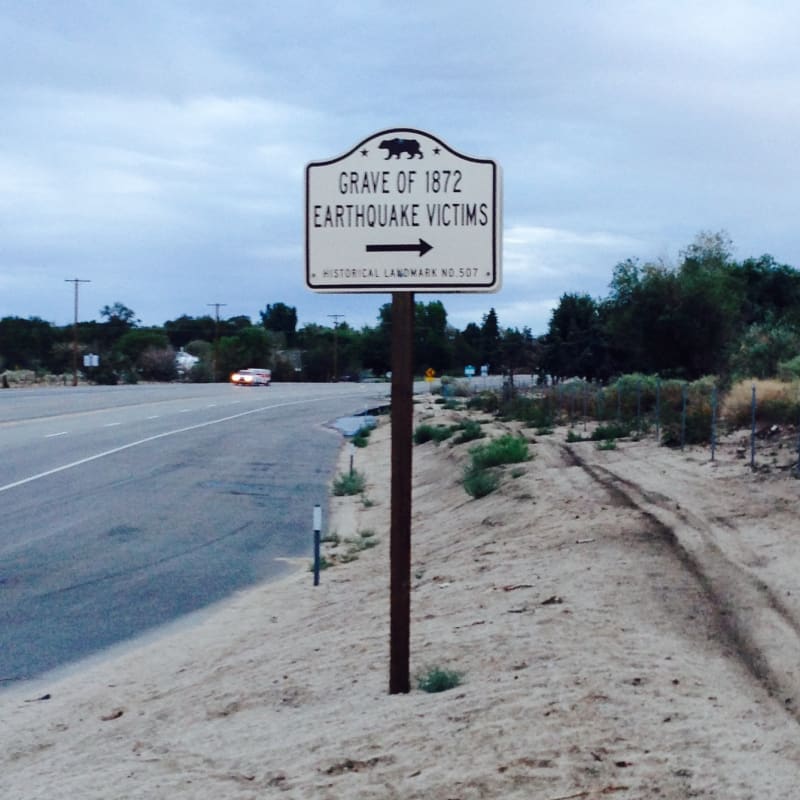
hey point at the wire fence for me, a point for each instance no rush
(757, 422)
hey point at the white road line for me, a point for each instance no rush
(184, 411)
(111, 424)
(128, 446)
(60, 433)
(155, 416)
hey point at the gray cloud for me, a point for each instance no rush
(158, 149)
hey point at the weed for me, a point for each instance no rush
(348, 483)
(544, 431)
(426, 433)
(507, 449)
(361, 436)
(469, 430)
(323, 564)
(436, 679)
(478, 483)
(485, 401)
(574, 437)
(609, 432)
(607, 444)
(330, 538)
(517, 472)
(366, 502)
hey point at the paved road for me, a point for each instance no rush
(126, 507)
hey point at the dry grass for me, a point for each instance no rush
(774, 398)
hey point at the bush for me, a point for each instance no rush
(468, 432)
(537, 412)
(485, 401)
(776, 403)
(437, 433)
(478, 483)
(348, 483)
(789, 370)
(361, 436)
(507, 449)
(436, 679)
(609, 432)
(607, 444)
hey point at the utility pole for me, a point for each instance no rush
(76, 282)
(216, 307)
(336, 318)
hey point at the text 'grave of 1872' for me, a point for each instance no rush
(403, 211)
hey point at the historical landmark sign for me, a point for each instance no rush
(403, 211)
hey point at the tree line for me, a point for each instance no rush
(709, 314)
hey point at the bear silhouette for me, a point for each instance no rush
(394, 147)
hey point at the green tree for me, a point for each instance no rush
(432, 347)
(575, 340)
(491, 342)
(186, 329)
(281, 319)
(467, 347)
(26, 343)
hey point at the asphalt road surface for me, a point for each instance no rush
(124, 508)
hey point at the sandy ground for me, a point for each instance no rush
(625, 621)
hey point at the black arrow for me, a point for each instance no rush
(422, 248)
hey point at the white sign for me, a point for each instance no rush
(403, 211)
(469, 371)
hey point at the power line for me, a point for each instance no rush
(216, 307)
(336, 318)
(76, 282)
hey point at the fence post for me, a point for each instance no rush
(753, 430)
(713, 421)
(658, 409)
(585, 396)
(639, 406)
(317, 538)
(683, 417)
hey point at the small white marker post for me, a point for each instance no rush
(317, 539)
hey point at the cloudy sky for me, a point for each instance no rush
(157, 148)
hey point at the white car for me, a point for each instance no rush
(251, 377)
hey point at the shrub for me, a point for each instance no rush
(574, 437)
(609, 432)
(789, 370)
(478, 483)
(323, 564)
(607, 444)
(507, 449)
(776, 403)
(347, 483)
(436, 679)
(469, 430)
(426, 433)
(361, 436)
(535, 411)
(485, 401)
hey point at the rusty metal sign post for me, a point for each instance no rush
(403, 212)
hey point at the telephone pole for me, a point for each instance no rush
(216, 307)
(76, 282)
(336, 318)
